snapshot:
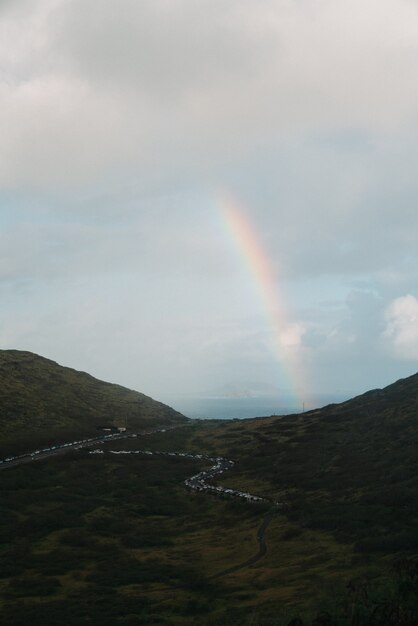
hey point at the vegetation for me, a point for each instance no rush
(117, 539)
(42, 402)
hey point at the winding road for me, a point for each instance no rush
(262, 550)
(198, 482)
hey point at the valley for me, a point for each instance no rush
(257, 521)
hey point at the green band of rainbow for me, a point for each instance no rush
(285, 334)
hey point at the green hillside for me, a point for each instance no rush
(131, 545)
(40, 400)
(350, 469)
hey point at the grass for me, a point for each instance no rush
(124, 527)
(113, 539)
(42, 402)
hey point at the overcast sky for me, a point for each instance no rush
(122, 124)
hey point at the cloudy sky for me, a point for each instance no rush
(123, 124)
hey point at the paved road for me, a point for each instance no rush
(198, 482)
(43, 453)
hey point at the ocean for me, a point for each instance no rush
(242, 407)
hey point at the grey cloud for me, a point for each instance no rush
(121, 121)
(326, 212)
(119, 85)
(355, 335)
(159, 47)
(160, 244)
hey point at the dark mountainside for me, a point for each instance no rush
(132, 545)
(44, 399)
(399, 397)
(350, 469)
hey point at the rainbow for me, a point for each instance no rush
(285, 334)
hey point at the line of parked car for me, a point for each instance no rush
(199, 481)
(88, 441)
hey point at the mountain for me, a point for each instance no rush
(118, 539)
(398, 398)
(350, 469)
(41, 400)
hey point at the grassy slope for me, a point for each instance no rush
(348, 469)
(347, 473)
(131, 545)
(41, 401)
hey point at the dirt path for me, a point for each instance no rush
(197, 482)
(262, 550)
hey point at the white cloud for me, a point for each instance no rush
(402, 327)
(291, 336)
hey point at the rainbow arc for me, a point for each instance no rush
(286, 334)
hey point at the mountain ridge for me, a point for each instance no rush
(127, 530)
(376, 398)
(50, 400)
